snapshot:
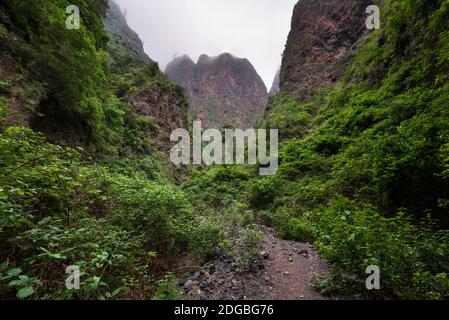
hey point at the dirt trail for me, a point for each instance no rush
(283, 272)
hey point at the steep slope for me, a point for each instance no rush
(323, 35)
(106, 204)
(123, 40)
(223, 90)
(83, 100)
(364, 149)
(49, 78)
(138, 82)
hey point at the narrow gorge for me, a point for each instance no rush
(87, 184)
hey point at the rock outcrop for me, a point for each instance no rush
(224, 90)
(165, 109)
(322, 39)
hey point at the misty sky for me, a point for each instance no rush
(254, 29)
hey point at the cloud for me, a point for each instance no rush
(254, 29)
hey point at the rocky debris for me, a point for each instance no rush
(188, 285)
(265, 255)
(223, 90)
(324, 35)
(280, 272)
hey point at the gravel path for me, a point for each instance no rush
(284, 271)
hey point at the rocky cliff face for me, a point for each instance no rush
(166, 110)
(323, 36)
(223, 90)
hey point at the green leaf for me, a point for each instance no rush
(15, 283)
(25, 292)
(152, 254)
(57, 256)
(14, 272)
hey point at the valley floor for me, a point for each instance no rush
(284, 271)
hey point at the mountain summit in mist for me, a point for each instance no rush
(123, 40)
(223, 90)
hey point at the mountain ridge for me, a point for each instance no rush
(224, 90)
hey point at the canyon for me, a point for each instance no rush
(362, 165)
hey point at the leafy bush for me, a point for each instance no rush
(216, 187)
(168, 288)
(299, 231)
(287, 114)
(248, 246)
(143, 206)
(262, 193)
(354, 238)
(57, 210)
(380, 138)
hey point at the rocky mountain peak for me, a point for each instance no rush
(204, 59)
(224, 90)
(184, 59)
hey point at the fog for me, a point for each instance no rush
(254, 29)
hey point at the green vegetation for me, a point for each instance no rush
(84, 80)
(379, 138)
(364, 166)
(109, 208)
(5, 86)
(2, 110)
(59, 209)
(412, 256)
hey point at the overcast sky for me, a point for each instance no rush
(253, 29)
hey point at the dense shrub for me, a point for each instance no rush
(59, 210)
(380, 138)
(215, 188)
(354, 238)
